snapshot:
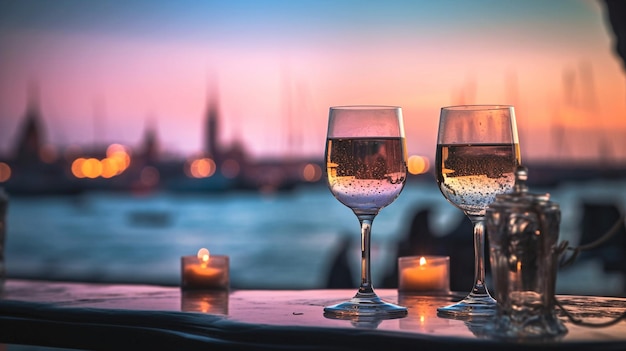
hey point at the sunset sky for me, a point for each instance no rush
(106, 69)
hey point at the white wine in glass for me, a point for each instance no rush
(477, 154)
(366, 171)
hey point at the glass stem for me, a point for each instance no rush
(366, 277)
(479, 289)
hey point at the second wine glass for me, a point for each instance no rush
(366, 171)
(477, 154)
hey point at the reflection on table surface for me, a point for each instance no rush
(299, 308)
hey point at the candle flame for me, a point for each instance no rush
(204, 255)
(422, 261)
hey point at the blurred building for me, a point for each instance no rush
(37, 167)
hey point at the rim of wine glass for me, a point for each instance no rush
(370, 107)
(477, 107)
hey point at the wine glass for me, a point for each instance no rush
(477, 153)
(366, 171)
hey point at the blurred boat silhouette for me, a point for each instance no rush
(150, 218)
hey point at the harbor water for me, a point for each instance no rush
(283, 240)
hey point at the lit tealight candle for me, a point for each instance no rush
(424, 274)
(205, 271)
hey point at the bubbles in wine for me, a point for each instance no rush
(470, 176)
(366, 173)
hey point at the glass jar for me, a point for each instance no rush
(523, 232)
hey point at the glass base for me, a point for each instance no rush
(365, 305)
(472, 306)
(535, 327)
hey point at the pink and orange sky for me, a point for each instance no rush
(276, 66)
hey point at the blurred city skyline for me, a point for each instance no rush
(107, 71)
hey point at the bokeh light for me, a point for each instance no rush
(418, 164)
(117, 161)
(91, 168)
(311, 172)
(109, 168)
(77, 167)
(120, 155)
(5, 172)
(201, 168)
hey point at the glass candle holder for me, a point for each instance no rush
(424, 274)
(205, 272)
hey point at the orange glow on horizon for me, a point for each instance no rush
(563, 78)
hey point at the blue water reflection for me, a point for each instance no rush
(284, 240)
